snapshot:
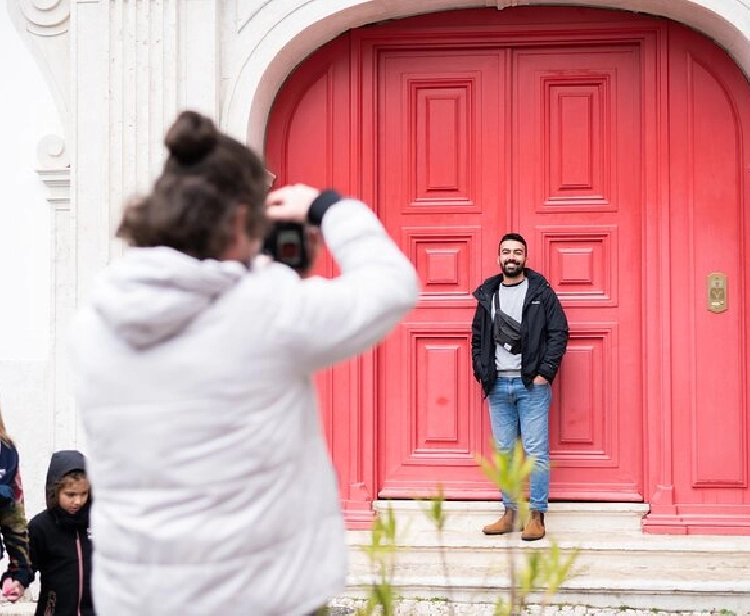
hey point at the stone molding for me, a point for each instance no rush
(44, 25)
(270, 37)
(54, 170)
(46, 17)
(247, 10)
(501, 4)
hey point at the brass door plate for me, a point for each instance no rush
(716, 291)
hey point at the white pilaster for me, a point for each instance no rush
(127, 64)
(199, 50)
(54, 170)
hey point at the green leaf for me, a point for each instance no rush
(502, 608)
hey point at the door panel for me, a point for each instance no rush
(710, 226)
(577, 200)
(309, 140)
(439, 154)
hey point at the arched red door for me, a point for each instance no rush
(553, 122)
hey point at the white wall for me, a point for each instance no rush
(28, 113)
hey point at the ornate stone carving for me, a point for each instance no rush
(46, 17)
(51, 153)
(54, 169)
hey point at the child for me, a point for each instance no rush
(59, 537)
(13, 522)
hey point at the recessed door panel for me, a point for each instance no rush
(440, 120)
(577, 200)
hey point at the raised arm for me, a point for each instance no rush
(327, 320)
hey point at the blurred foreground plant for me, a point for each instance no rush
(381, 553)
(542, 569)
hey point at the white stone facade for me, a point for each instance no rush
(119, 70)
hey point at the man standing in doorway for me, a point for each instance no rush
(518, 337)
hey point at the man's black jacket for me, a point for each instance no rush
(544, 332)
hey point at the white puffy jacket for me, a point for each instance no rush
(214, 491)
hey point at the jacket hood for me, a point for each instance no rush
(152, 294)
(61, 464)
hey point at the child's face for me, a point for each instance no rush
(74, 494)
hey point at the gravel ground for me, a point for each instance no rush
(347, 606)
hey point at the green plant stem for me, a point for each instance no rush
(444, 563)
(512, 572)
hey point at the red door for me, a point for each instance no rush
(473, 143)
(618, 145)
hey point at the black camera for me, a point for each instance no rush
(287, 243)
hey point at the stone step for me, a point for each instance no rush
(677, 562)
(617, 565)
(601, 593)
(471, 516)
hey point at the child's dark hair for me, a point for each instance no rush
(513, 237)
(53, 491)
(193, 204)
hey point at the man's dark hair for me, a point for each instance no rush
(514, 237)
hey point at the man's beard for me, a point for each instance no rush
(513, 269)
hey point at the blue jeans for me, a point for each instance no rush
(514, 409)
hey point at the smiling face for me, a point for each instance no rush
(512, 258)
(73, 494)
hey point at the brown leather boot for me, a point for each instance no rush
(505, 524)
(534, 529)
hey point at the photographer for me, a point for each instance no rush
(193, 367)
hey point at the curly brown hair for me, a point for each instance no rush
(193, 204)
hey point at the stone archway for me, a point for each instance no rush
(660, 413)
(279, 38)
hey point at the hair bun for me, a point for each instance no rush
(191, 137)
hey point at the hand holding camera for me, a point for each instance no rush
(292, 240)
(290, 203)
